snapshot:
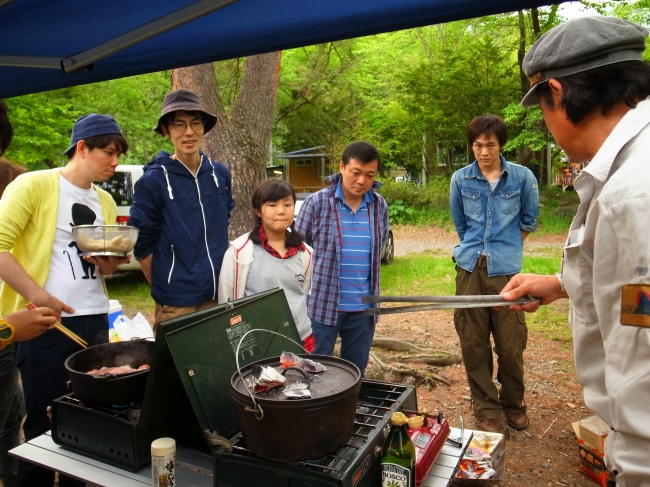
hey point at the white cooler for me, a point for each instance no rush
(114, 310)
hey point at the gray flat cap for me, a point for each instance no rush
(579, 45)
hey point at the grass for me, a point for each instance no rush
(431, 275)
(132, 290)
(426, 274)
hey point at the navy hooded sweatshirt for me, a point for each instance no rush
(183, 222)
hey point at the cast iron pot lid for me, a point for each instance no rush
(337, 380)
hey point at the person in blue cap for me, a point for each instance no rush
(37, 212)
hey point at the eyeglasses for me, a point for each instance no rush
(180, 126)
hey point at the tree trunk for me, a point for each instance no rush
(241, 139)
(534, 15)
(521, 52)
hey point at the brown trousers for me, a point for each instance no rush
(510, 334)
(164, 312)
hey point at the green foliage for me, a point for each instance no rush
(399, 213)
(411, 93)
(532, 130)
(43, 121)
(416, 205)
(419, 205)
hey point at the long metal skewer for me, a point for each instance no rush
(439, 302)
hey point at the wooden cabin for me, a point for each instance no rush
(307, 169)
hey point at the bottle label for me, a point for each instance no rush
(393, 475)
(163, 471)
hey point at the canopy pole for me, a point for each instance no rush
(84, 59)
(42, 62)
(159, 26)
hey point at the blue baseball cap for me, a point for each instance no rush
(91, 126)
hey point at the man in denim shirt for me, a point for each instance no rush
(494, 204)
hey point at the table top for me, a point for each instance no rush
(193, 469)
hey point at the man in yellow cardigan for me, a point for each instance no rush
(40, 263)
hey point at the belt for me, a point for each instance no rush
(481, 263)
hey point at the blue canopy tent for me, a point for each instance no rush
(47, 44)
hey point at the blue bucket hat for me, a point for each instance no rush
(91, 126)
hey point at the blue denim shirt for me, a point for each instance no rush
(493, 220)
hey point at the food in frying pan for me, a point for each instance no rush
(122, 369)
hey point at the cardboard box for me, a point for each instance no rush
(592, 463)
(592, 459)
(593, 431)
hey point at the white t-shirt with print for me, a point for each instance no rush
(71, 279)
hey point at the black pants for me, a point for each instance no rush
(12, 411)
(41, 364)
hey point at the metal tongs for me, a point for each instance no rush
(458, 441)
(440, 302)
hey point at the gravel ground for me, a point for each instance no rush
(410, 239)
(547, 453)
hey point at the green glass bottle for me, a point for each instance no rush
(398, 455)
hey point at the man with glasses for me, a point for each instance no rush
(182, 206)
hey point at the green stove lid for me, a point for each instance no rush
(203, 346)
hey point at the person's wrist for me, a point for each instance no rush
(6, 334)
(559, 278)
(40, 297)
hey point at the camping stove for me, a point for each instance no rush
(187, 397)
(357, 464)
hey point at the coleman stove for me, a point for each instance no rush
(188, 398)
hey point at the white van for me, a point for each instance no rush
(121, 186)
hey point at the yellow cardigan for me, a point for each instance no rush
(28, 214)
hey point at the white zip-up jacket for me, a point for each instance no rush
(236, 268)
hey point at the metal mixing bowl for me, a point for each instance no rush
(116, 240)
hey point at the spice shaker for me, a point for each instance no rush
(163, 462)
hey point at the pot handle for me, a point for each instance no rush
(257, 409)
(298, 369)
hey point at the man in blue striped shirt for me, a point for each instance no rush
(347, 225)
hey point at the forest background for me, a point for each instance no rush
(411, 93)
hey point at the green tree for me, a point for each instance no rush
(43, 121)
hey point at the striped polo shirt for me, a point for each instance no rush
(354, 272)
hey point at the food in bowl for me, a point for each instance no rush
(116, 244)
(105, 239)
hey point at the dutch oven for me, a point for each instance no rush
(281, 429)
(109, 389)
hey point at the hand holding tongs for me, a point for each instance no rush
(440, 302)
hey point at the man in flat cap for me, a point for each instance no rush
(37, 212)
(182, 206)
(592, 85)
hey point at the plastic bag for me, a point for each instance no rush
(136, 327)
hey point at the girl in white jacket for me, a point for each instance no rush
(271, 255)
